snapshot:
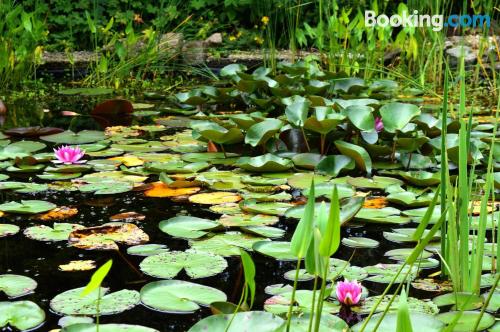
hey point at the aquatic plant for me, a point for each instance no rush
(69, 155)
(348, 292)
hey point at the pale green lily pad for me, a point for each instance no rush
(59, 232)
(23, 315)
(69, 137)
(14, 285)
(360, 242)
(377, 182)
(264, 231)
(419, 322)
(147, 249)
(187, 227)
(415, 305)
(241, 321)
(467, 320)
(8, 229)
(176, 296)
(71, 303)
(303, 180)
(107, 328)
(459, 301)
(247, 219)
(107, 187)
(271, 208)
(264, 163)
(27, 207)
(279, 250)
(226, 244)
(196, 264)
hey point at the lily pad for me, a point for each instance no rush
(467, 320)
(359, 242)
(14, 285)
(27, 207)
(216, 197)
(107, 328)
(176, 296)
(226, 244)
(264, 163)
(147, 249)
(241, 321)
(72, 303)
(23, 315)
(107, 236)
(69, 137)
(8, 229)
(419, 322)
(187, 227)
(277, 249)
(459, 301)
(59, 232)
(361, 157)
(196, 264)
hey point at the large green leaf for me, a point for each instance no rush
(296, 113)
(261, 132)
(23, 315)
(239, 322)
(419, 322)
(60, 232)
(14, 285)
(323, 120)
(196, 264)
(8, 229)
(361, 117)
(27, 207)
(216, 133)
(69, 137)
(187, 227)
(72, 303)
(81, 327)
(333, 165)
(280, 250)
(397, 115)
(359, 154)
(264, 163)
(226, 244)
(177, 296)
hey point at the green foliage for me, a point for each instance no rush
(21, 35)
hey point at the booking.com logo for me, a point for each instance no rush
(437, 22)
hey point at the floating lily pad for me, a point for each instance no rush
(271, 208)
(107, 328)
(187, 227)
(241, 321)
(247, 219)
(467, 320)
(69, 137)
(23, 315)
(264, 163)
(216, 197)
(415, 305)
(359, 242)
(60, 232)
(14, 285)
(419, 322)
(72, 303)
(459, 301)
(27, 207)
(277, 249)
(107, 236)
(80, 265)
(107, 187)
(176, 296)
(8, 229)
(147, 249)
(196, 264)
(160, 189)
(226, 244)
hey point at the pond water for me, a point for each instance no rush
(40, 260)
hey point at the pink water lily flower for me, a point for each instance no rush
(69, 155)
(379, 125)
(348, 292)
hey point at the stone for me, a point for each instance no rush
(214, 39)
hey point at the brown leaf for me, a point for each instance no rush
(107, 236)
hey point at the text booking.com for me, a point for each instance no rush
(437, 22)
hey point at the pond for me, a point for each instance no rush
(175, 186)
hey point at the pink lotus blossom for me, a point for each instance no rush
(69, 155)
(379, 125)
(348, 292)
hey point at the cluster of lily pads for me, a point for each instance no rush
(249, 195)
